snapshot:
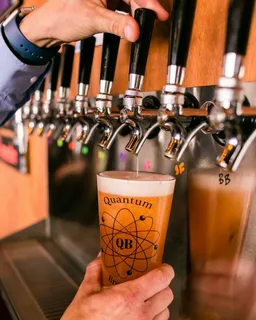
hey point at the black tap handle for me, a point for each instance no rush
(42, 86)
(67, 59)
(140, 48)
(109, 56)
(54, 73)
(238, 26)
(181, 30)
(86, 58)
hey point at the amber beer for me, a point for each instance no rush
(134, 212)
(219, 206)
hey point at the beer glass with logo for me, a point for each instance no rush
(134, 211)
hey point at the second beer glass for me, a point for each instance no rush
(134, 213)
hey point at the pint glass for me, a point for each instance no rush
(219, 207)
(134, 212)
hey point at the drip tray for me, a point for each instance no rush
(38, 281)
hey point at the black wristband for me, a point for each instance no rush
(25, 50)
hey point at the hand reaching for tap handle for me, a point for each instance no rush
(146, 298)
(59, 21)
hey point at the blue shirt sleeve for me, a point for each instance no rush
(17, 81)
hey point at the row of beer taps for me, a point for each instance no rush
(65, 118)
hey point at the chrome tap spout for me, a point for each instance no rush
(146, 135)
(233, 145)
(66, 133)
(54, 129)
(90, 133)
(114, 135)
(31, 126)
(243, 151)
(191, 135)
(178, 136)
(82, 136)
(107, 132)
(40, 128)
(137, 134)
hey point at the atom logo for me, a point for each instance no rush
(127, 243)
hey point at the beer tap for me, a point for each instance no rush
(27, 109)
(229, 93)
(104, 98)
(77, 114)
(36, 108)
(63, 105)
(133, 96)
(43, 126)
(173, 98)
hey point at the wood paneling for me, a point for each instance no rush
(24, 197)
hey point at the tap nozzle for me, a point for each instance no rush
(103, 106)
(67, 131)
(143, 140)
(87, 133)
(233, 145)
(243, 151)
(137, 134)
(31, 126)
(82, 136)
(203, 125)
(36, 110)
(177, 138)
(107, 132)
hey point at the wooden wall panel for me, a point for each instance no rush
(24, 198)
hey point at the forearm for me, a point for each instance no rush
(17, 81)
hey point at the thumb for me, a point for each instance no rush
(116, 23)
(92, 282)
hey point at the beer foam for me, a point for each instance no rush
(127, 183)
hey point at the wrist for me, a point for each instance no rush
(28, 49)
(38, 31)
